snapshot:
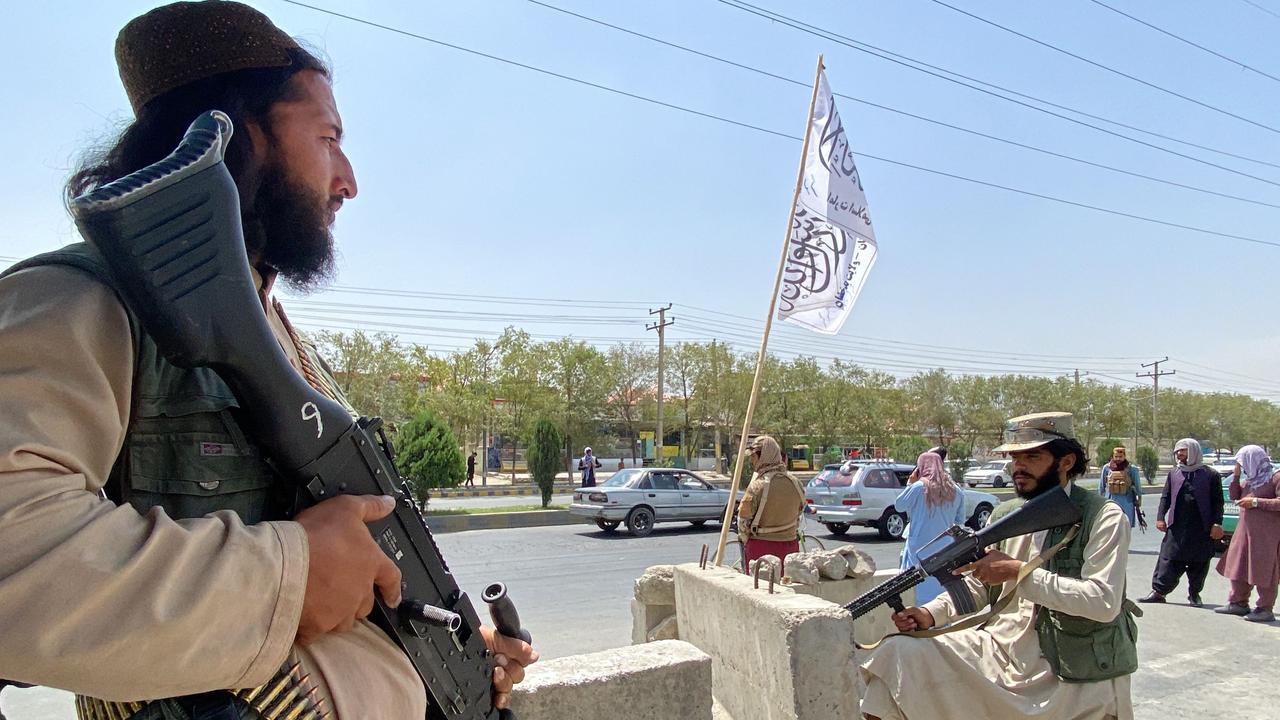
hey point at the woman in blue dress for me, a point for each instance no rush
(932, 503)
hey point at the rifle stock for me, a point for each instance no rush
(171, 237)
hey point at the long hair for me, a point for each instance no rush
(244, 95)
(1061, 447)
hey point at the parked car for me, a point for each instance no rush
(1230, 516)
(641, 497)
(865, 497)
(996, 473)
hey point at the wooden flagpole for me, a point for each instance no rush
(768, 325)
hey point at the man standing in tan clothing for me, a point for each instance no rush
(770, 511)
(145, 564)
(1065, 645)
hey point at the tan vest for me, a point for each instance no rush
(779, 504)
(1119, 482)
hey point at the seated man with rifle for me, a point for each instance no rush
(1058, 641)
(195, 525)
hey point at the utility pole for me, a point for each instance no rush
(715, 373)
(1155, 375)
(660, 326)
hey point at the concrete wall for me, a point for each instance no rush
(665, 680)
(785, 656)
(788, 655)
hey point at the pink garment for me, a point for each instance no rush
(777, 548)
(1253, 556)
(1240, 595)
(938, 487)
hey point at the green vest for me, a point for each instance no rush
(1079, 649)
(184, 450)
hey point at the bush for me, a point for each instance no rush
(1105, 448)
(543, 457)
(429, 456)
(958, 456)
(1149, 461)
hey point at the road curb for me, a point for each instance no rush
(497, 521)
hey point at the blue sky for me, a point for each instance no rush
(485, 180)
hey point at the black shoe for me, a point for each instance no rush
(1233, 609)
(1194, 601)
(1153, 597)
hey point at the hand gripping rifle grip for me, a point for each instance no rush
(506, 621)
(503, 612)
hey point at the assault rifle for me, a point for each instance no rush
(171, 237)
(957, 547)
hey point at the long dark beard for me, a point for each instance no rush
(287, 228)
(1046, 482)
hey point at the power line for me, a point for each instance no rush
(944, 74)
(1179, 38)
(904, 113)
(672, 106)
(1107, 68)
(1268, 11)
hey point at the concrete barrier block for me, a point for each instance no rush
(665, 680)
(645, 617)
(785, 656)
(657, 585)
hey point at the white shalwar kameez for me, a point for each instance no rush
(996, 671)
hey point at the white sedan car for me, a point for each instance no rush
(641, 497)
(996, 473)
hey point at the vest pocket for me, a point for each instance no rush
(192, 465)
(1081, 650)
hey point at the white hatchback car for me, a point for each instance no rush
(866, 498)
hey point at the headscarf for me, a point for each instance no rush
(1195, 456)
(1255, 467)
(938, 487)
(586, 455)
(770, 455)
(1119, 466)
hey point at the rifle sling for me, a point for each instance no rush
(996, 609)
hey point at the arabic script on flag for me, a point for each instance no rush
(832, 244)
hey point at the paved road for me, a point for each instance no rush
(573, 586)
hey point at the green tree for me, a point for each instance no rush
(958, 454)
(906, 448)
(544, 457)
(1105, 448)
(429, 456)
(1149, 461)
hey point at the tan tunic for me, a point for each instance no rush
(997, 671)
(99, 600)
(779, 516)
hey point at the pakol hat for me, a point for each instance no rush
(184, 42)
(1027, 432)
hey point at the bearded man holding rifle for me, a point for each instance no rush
(1064, 645)
(154, 561)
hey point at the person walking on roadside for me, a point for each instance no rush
(934, 504)
(1121, 484)
(771, 508)
(1190, 516)
(588, 465)
(1252, 559)
(471, 469)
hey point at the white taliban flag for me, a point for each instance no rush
(832, 245)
